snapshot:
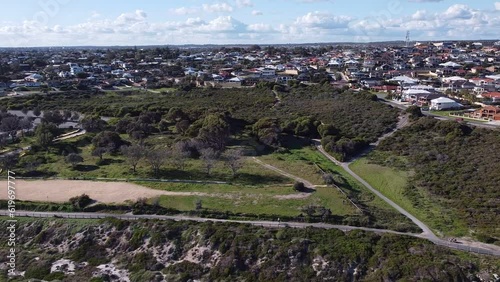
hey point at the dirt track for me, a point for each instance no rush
(105, 192)
(58, 191)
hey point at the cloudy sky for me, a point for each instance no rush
(133, 22)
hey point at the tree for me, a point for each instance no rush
(133, 154)
(37, 112)
(66, 115)
(108, 139)
(209, 157)
(10, 124)
(176, 114)
(25, 124)
(45, 134)
(233, 159)
(182, 126)
(267, 131)
(8, 161)
(180, 153)
(73, 159)
(54, 117)
(24, 110)
(100, 151)
(214, 131)
(93, 124)
(414, 111)
(156, 158)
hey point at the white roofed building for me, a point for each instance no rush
(444, 103)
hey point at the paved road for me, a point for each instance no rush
(16, 151)
(427, 232)
(426, 113)
(72, 135)
(284, 173)
(269, 224)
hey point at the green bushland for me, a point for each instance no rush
(453, 171)
(237, 251)
(393, 184)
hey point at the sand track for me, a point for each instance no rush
(105, 192)
(59, 191)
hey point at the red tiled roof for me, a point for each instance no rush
(491, 95)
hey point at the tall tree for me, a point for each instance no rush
(215, 131)
(73, 159)
(93, 124)
(45, 134)
(133, 154)
(156, 158)
(108, 139)
(267, 131)
(54, 117)
(180, 153)
(209, 157)
(233, 160)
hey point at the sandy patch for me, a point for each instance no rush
(59, 191)
(105, 192)
(293, 196)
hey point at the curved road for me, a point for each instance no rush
(427, 232)
(274, 224)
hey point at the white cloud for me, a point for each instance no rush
(323, 20)
(136, 28)
(260, 27)
(419, 15)
(217, 8)
(184, 11)
(458, 11)
(244, 3)
(423, 1)
(497, 6)
(138, 16)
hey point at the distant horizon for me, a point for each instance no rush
(250, 44)
(67, 23)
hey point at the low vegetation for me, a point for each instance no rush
(184, 251)
(450, 165)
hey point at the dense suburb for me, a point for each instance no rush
(234, 252)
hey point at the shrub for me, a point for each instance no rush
(81, 201)
(299, 186)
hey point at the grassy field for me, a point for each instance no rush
(261, 201)
(308, 163)
(392, 183)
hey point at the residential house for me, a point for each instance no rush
(443, 103)
(488, 112)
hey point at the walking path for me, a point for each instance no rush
(272, 224)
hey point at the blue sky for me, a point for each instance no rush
(113, 22)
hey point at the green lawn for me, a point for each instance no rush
(447, 114)
(392, 184)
